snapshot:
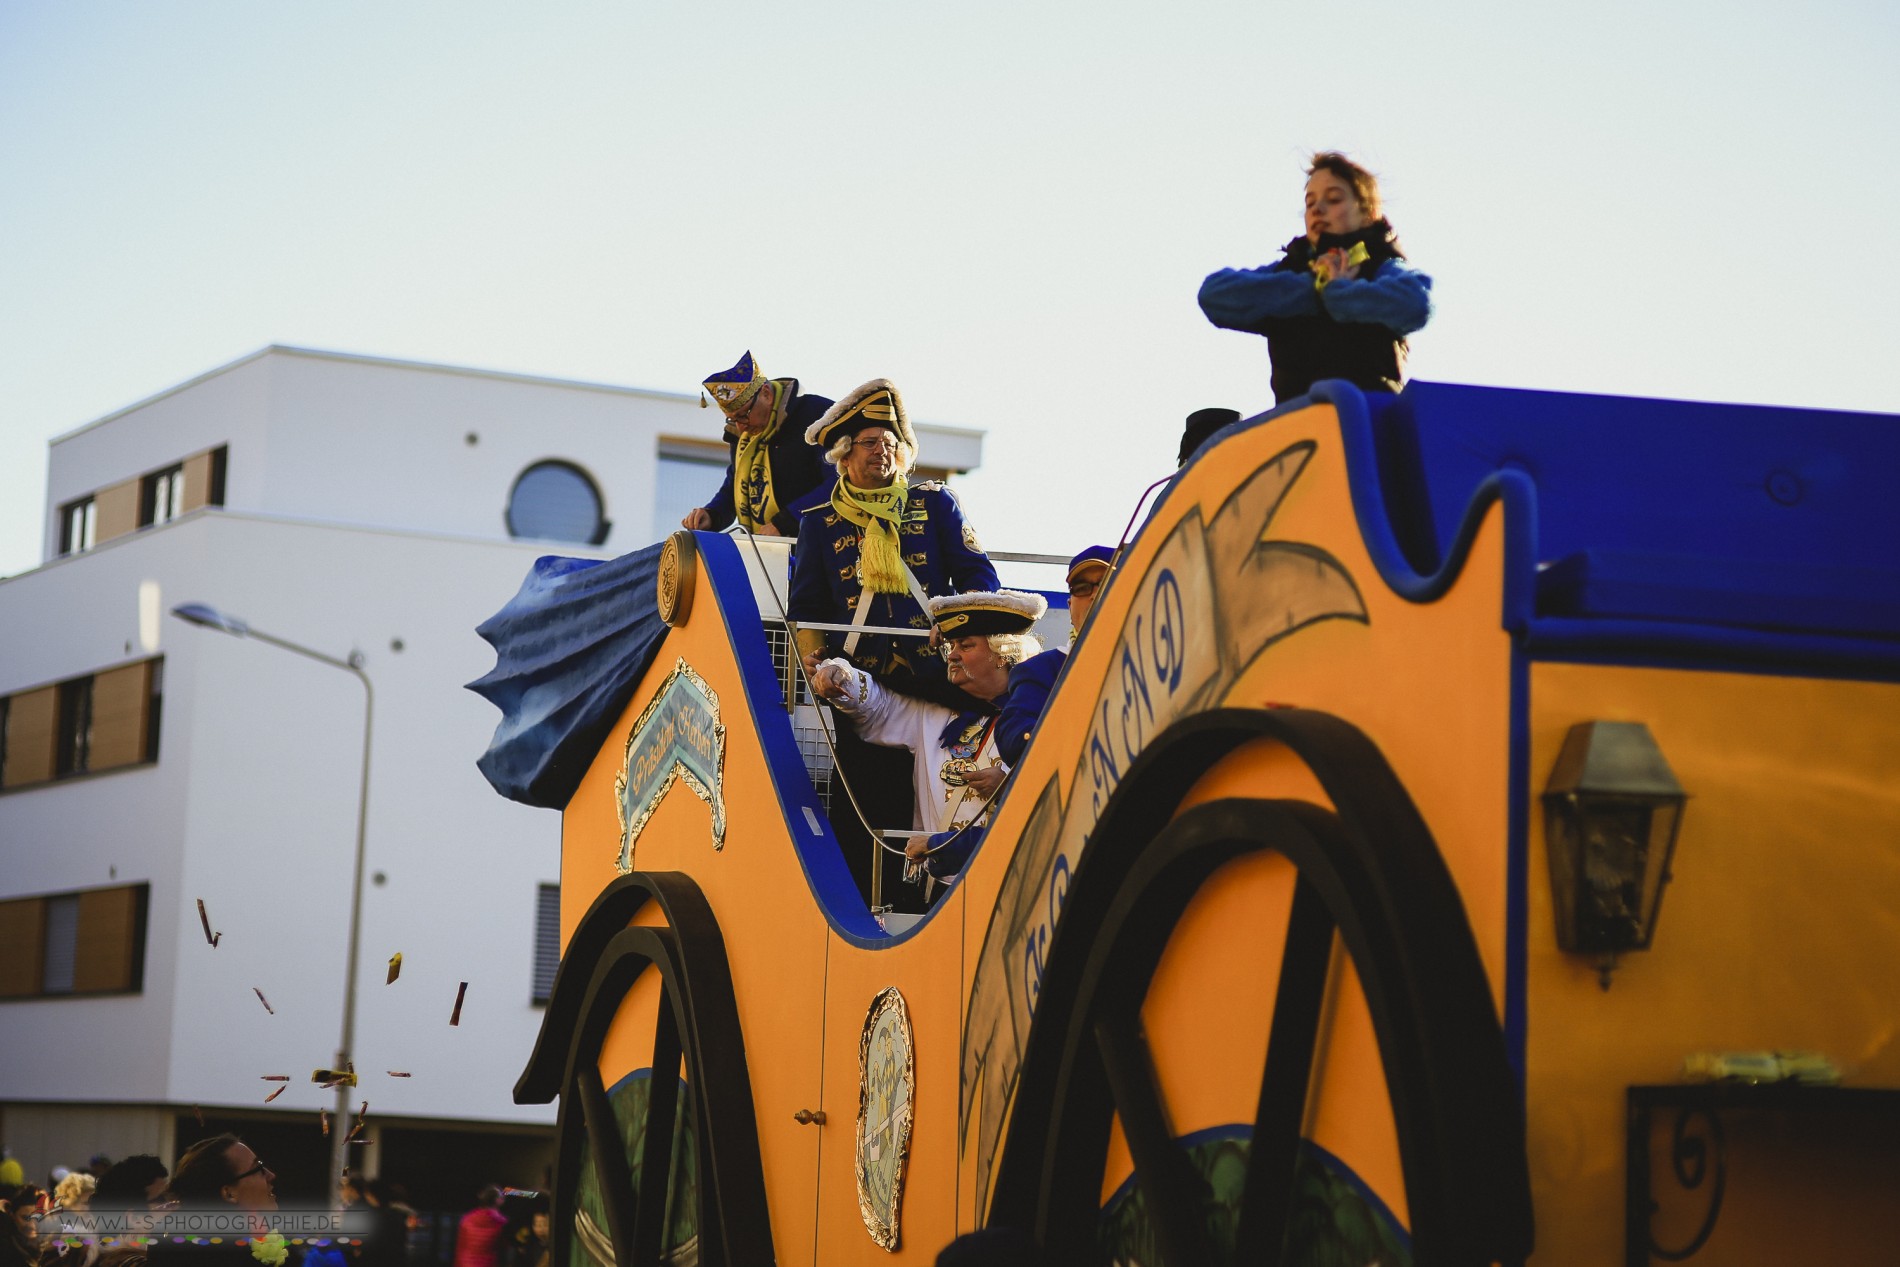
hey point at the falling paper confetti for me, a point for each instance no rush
(395, 968)
(274, 1077)
(205, 919)
(324, 1116)
(330, 1079)
(279, 1091)
(261, 999)
(200, 1115)
(358, 1127)
(455, 1017)
(396, 1073)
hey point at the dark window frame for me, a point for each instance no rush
(220, 462)
(87, 508)
(540, 976)
(73, 728)
(602, 524)
(149, 484)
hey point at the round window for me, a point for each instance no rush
(555, 501)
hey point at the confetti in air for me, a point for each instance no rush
(261, 999)
(455, 1017)
(274, 1077)
(396, 1073)
(331, 1079)
(200, 1113)
(211, 937)
(323, 1115)
(279, 1091)
(395, 968)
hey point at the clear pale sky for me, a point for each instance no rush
(1006, 208)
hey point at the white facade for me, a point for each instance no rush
(357, 516)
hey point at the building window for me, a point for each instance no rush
(72, 752)
(686, 476)
(59, 944)
(547, 940)
(85, 725)
(220, 458)
(78, 526)
(162, 496)
(556, 501)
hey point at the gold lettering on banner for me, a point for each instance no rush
(1216, 595)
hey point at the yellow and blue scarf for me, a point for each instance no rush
(752, 495)
(878, 512)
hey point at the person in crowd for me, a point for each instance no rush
(137, 1183)
(74, 1192)
(21, 1204)
(478, 1237)
(1341, 300)
(1200, 428)
(531, 1242)
(956, 762)
(223, 1170)
(866, 558)
(774, 474)
(1088, 572)
(387, 1243)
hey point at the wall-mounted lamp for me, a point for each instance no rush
(1611, 812)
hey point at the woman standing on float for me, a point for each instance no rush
(1341, 300)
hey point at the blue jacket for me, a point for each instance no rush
(801, 478)
(1353, 329)
(1021, 707)
(941, 550)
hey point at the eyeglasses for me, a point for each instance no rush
(1083, 589)
(257, 1167)
(882, 442)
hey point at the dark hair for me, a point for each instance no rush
(1364, 185)
(123, 1185)
(203, 1170)
(489, 1195)
(17, 1249)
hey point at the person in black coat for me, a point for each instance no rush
(773, 475)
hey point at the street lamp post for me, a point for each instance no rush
(211, 618)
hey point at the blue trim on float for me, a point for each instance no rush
(821, 858)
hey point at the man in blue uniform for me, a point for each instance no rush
(881, 546)
(774, 474)
(870, 557)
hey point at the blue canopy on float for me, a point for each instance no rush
(570, 647)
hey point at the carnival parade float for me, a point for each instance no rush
(1435, 775)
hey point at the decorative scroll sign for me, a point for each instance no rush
(678, 736)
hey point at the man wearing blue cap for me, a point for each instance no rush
(774, 475)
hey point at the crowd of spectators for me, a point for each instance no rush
(223, 1173)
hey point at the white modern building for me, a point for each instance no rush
(351, 505)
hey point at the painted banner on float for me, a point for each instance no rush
(677, 736)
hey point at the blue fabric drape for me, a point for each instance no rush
(570, 647)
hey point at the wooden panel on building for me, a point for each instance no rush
(22, 935)
(108, 956)
(118, 510)
(120, 699)
(32, 725)
(197, 481)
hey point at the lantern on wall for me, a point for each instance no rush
(1611, 811)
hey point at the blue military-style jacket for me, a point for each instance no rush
(939, 547)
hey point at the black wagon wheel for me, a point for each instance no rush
(697, 1022)
(1369, 874)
